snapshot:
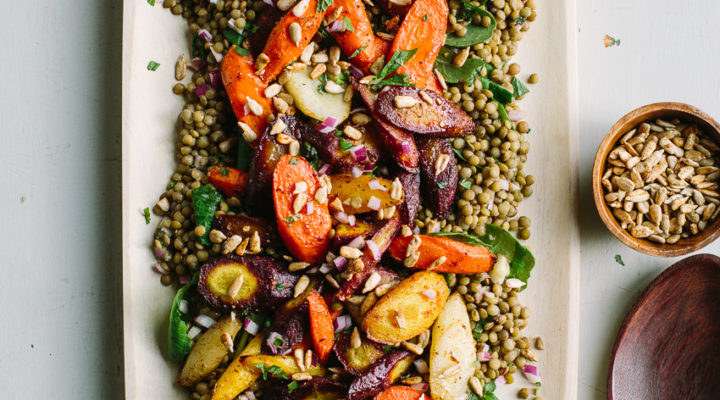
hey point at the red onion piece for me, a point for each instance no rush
(269, 2)
(405, 147)
(201, 90)
(204, 321)
(336, 26)
(358, 243)
(205, 35)
(376, 185)
(325, 268)
(420, 386)
(214, 77)
(328, 125)
(532, 373)
(421, 366)
(160, 253)
(272, 337)
(325, 169)
(355, 71)
(218, 56)
(193, 332)
(340, 262)
(374, 203)
(341, 217)
(159, 269)
(342, 322)
(374, 249)
(368, 167)
(500, 379)
(517, 115)
(430, 294)
(359, 153)
(356, 172)
(196, 63)
(484, 356)
(250, 395)
(251, 327)
(351, 220)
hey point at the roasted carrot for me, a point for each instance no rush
(306, 234)
(360, 41)
(280, 49)
(423, 29)
(400, 393)
(460, 258)
(321, 326)
(229, 181)
(241, 84)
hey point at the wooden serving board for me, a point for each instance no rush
(150, 111)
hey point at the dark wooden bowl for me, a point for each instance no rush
(668, 346)
(666, 111)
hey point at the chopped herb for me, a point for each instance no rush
(395, 80)
(278, 341)
(198, 47)
(387, 348)
(459, 154)
(280, 286)
(146, 213)
(292, 386)
(476, 363)
(293, 161)
(224, 171)
(465, 184)
(611, 41)
(519, 20)
(348, 25)
(323, 80)
(519, 88)
(172, 185)
(465, 73)
(291, 219)
(342, 79)
(619, 260)
(205, 202)
(442, 185)
(476, 33)
(488, 392)
(323, 5)
(425, 17)
(277, 372)
(262, 368)
(241, 51)
(152, 66)
(179, 343)
(345, 144)
(151, 2)
(398, 58)
(356, 52)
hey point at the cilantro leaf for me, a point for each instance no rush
(348, 25)
(356, 52)
(619, 260)
(146, 214)
(345, 144)
(425, 17)
(153, 66)
(263, 370)
(151, 2)
(519, 88)
(459, 154)
(342, 79)
(323, 5)
(292, 386)
(289, 220)
(387, 349)
(398, 58)
(277, 372)
(442, 185)
(224, 171)
(293, 161)
(323, 80)
(280, 286)
(465, 184)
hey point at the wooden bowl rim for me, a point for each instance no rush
(704, 260)
(682, 247)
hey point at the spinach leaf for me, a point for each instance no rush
(395, 80)
(205, 203)
(398, 58)
(503, 112)
(179, 343)
(500, 94)
(468, 72)
(244, 153)
(519, 88)
(323, 5)
(198, 47)
(356, 52)
(475, 33)
(499, 241)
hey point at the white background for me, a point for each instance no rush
(60, 239)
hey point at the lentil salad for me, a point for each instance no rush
(207, 224)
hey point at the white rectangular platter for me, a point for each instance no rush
(149, 114)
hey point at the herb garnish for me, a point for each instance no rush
(488, 392)
(425, 17)
(323, 80)
(224, 171)
(459, 154)
(280, 286)
(356, 52)
(151, 2)
(146, 214)
(153, 66)
(292, 386)
(293, 161)
(277, 372)
(323, 5)
(345, 144)
(398, 58)
(465, 184)
(442, 185)
(348, 25)
(291, 219)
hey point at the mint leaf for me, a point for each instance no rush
(345, 144)
(152, 66)
(356, 52)
(519, 88)
(348, 25)
(459, 154)
(465, 184)
(277, 372)
(146, 214)
(263, 370)
(292, 386)
(398, 58)
(323, 5)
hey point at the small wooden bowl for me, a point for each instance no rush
(669, 344)
(665, 111)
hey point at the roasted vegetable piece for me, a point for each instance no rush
(236, 377)
(330, 148)
(345, 233)
(439, 175)
(460, 258)
(382, 239)
(205, 202)
(356, 360)
(423, 112)
(381, 374)
(290, 323)
(451, 339)
(361, 41)
(235, 282)
(401, 393)
(265, 22)
(358, 195)
(306, 234)
(423, 29)
(321, 326)
(280, 48)
(229, 181)
(411, 189)
(246, 227)
(241, 83)
(312, 102)
(400, 144)
(408, 309)
(258, 194)
(208, 352)
(286, 363)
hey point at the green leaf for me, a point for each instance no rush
(244, 154)
(500, 94)
(323, 5)
(345, 144)
(280, 286)
(442, 185)
(241, 51)
(198, 47)
(205, 202)
(292, 386)
(519, 88)
(348, 25)
(465, 184)
(179, 343)
(468, 72)
(278, 341)
(398, 58)
(503, 112)
(289, 220)
(342, 79)
(277, 372)
(356, 52)
(395, 80)
(458, 153)
(476, 34)
(224, 171)
(500, 241)
(152, 66)
(387, 349)
(151, 2)
(425, 17)
(146, 214)
(619, 260)
(293, 161)
(263, 370)
(323, 80)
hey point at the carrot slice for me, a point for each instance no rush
(230, 181)
(423, 29)
(400, 393)
(321, 326)
(460, 258)
(361, 39)
(305, 234)
(280, 49)
(241, 83)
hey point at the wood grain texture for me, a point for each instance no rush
(669, 345)
(666, 111)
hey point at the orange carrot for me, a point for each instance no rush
(460, 258)
(229, 181)
(423, 29)
(400, 393)
(305, 234)
(280, 49)
(241, 83)
(321, 326)
(361, 37)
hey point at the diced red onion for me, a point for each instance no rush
(336, 26)
(368, 167)
(204, 321)
(351, 220)
(310, 207)
(374, 203)
(405, 147)
(217, 55)
(328, 125)
(500, 379)
(416, 230)
(421, 366)
(251, 327)
(325, 268)
(214, 78)
(184, 279)
(358, 243)
(205, 35)
(355, 71)
(313, 359)
(340, 262)
(376, 185)
(201, 90)
(374, 249)
(269, 2)
(325, 169)
(359, 109)
(160, 254)
(484, 356)
(183, 306)
(355, 172)
(359, 153)
(341, 217)
(272, 337)
(514, 283)
(429, 293)
(193, 332)
(532, 373)
(342, 322)
(517, 115)
(485, 348)
(196, 63)
(422, 386)
(312, 270)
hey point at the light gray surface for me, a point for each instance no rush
(60, 158)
